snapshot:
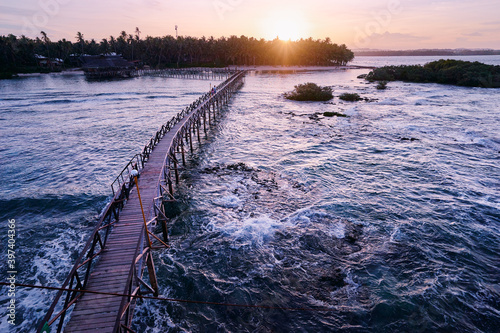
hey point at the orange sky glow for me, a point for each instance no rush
(379, 24)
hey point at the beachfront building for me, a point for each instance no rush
(106, 66)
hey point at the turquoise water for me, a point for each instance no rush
(389, 217)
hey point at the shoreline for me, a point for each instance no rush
(267, 68)
(64, 72)
(262, 68)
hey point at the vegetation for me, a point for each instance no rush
(333, 114)
(456, 72)
(350, 97)
(18, 55)
(310, 92)
(382, 85)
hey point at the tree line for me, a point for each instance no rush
(455, 72)
(18, 54)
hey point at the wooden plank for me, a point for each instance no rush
(101, 328)
(97, 312)
(128, 230)
(102, 300)
(107, 274)
(101, 317)
(99, 282)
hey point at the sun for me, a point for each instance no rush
(286, 25)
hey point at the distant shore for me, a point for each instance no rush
(425, 52)
(298, 68)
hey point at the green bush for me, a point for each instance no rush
(350, 97)
(310, 92)
(456, 72)
(382, 85)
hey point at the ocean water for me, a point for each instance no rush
(382, 221)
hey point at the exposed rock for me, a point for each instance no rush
(334, 114)
(353, 232)
(239, 167)
(232, 167)
(335, 278)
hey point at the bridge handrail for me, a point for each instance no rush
(165, 128)
(164, 173)
(180, 132)
(121, 187)
(87, 256)
(137, 162)
(195, 72)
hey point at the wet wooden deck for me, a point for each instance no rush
(118, 266)
(96, 312)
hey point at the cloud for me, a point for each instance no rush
(8, 27)
(473, 34)
(14, 11)
(492, 23)
(388, 40)
(396, 36)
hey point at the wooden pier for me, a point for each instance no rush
(120, 248)
(197, 73)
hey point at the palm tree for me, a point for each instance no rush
(104, 46)
(180, 42)
(112, 43)
(130, 40)
(122, 42)
(64, 48)
(81, 41)
(9, 44)
(46, 40)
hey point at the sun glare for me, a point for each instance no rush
(285, 25)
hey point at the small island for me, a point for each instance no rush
(454, 72)
(310, 92)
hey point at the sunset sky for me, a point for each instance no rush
(380, 24)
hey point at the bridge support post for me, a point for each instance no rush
(190, 139)
(182, 152)
(198, 125)
(176, 171)
(205, 120)
(164, 230)
(161, 218)
(152, 273)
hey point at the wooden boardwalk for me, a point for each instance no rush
(98, 313)
(116, 255)
(197, 73)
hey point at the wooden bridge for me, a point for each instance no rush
(101, 71)
(120, 248)
(197, 73)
